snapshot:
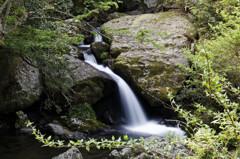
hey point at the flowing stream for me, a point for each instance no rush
(137, 122)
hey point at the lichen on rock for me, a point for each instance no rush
(149, 69)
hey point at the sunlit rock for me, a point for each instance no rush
(147, 68)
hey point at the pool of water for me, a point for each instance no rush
(22, 146)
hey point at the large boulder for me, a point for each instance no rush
(162, 147)
(98, 49)
(72, 153)
(149, 69)
(88, 84)
(64, 133)
(19, 83)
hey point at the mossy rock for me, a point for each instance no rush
(147, 69)
(20, 84)
(81, 124)
(88, 91)
(98, 48)
(82, 111)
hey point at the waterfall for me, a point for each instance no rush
(98, 36)
(132, 107)
(137, 121)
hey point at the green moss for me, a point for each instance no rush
(157, 68)
(117, 51)
(83, 111)
(88, 91)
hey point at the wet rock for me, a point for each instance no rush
(126, 152)
(147, 68)
(115, 15)
(22, 120)
(160, 147)
(80, 124)
(114, 155)
(19, 83)
(151, 3)
(72, 153)
(64, 133)
(98, 48)
(88, 84)
(74, 27)
(129, 5)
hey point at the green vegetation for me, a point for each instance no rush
(208, 104)
(84, 111)
(36, 32)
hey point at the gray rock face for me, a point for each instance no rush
(149, 69)
(151, 3)
(79, 124)
(97, 48)
(72, 153)
(115, 15)
(64, 133)
(114, 155)
(87, 82)
(19, 83)
(22, 120)
(160, 147)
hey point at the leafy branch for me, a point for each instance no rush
(113, 143)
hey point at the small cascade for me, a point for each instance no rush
(132, 108)
(136, 118)
(98, 37)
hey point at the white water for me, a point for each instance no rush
(136, 118)
(132, 108)
(98, 37)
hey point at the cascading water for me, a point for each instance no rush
(136, 118)
(98, 37)
(132, 108)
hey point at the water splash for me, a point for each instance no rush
(136, 118)
(129, 101)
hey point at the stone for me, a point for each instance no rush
(21, 120)
(64, 133)
(151, 3)
(87, 83)
(98, 48)
(126, 152)
(158, 146)
(20, 85)
(114, 155)
(115, 15)
(72, 153)
(80, 124)
(149, 69)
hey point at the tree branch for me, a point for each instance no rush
(6, 16)
(21, 20)
(58, 11)
(4, 5)
(46, 18)
(1, 10)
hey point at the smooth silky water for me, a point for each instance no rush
(24, 146)
(137, 121)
